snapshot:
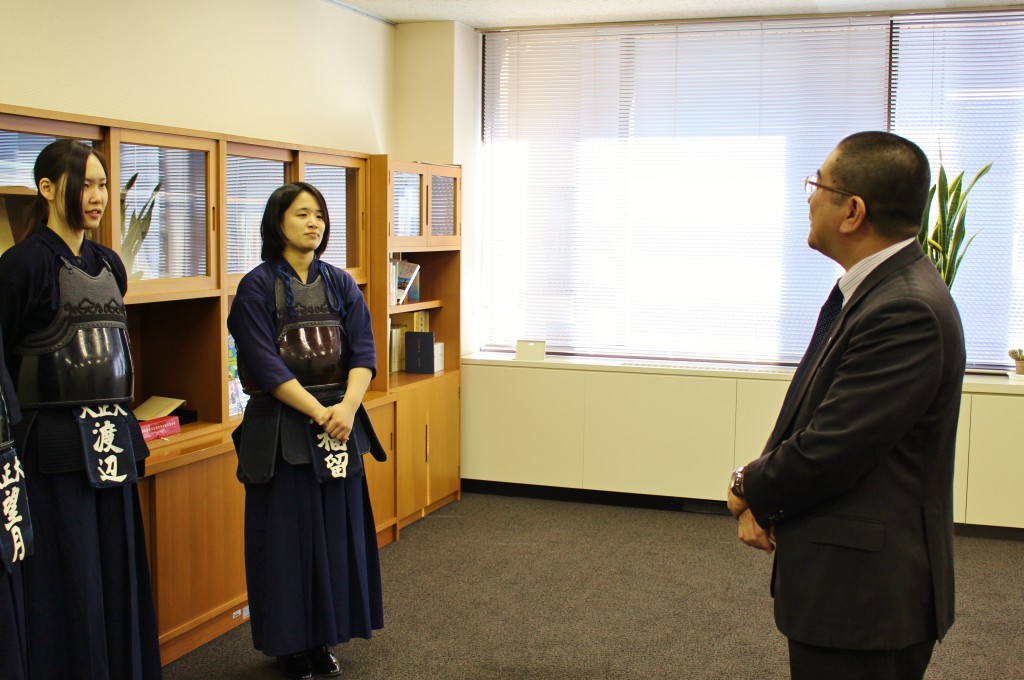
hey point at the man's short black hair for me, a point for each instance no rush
(891, 174)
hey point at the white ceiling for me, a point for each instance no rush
(490, 14)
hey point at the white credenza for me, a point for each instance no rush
(661, 429)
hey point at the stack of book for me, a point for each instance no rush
(417, 322)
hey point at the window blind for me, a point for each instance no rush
(958, 91)
(250, 182)
(332, 182)
(18, 153)
(643, 184)
(175, 245)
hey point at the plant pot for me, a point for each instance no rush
(1020, 367)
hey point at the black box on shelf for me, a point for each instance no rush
(419, 352)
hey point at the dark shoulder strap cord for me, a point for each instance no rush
(331, 286)
(289, 294)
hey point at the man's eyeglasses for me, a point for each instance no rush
(811, 184)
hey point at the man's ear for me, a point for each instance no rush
(856, 215)
(47, 189)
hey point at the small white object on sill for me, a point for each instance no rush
(530, 350)
(1015, 377)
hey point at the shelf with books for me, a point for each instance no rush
(415, 219)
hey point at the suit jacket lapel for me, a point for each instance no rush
(900, 259)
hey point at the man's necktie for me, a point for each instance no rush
(826, 317)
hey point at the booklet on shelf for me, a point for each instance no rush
(405, 275)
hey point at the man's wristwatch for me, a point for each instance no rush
(736, 487)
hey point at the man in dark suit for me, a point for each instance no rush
(853, 491)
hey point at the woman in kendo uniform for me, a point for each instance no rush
(88, 602)
(15, 537)
(306, 357)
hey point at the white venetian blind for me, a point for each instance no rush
(958, 91)
(643, 184)
(250, 182)
(332, 182)
(18, 153)
(175, 245)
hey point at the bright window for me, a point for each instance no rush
(644, 189)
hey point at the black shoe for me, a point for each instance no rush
(295, 666)
(324, 662)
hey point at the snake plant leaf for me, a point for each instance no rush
(945, 240)
(137, 227)
(943, 206)
(924, 233)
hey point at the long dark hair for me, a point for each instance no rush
(273, 215)
(64, 158)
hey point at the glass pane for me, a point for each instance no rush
(250, 183)
(169, 191)
(442, 206)
(333, 182)
(407, 204)
(18, 151)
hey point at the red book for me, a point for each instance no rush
(159, 427)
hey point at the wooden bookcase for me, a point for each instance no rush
(415, 215)
(192, 503)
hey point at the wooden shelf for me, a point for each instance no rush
(196, 441)
(415, 306)
(401, 379)
(17, 191)
(136, 297)
(402, 248)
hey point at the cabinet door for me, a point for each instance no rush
(995, 464)
(443, 212)
(197, 551)
(380, 477)
(425, 205)
(443, 438)
(412, 451)
(408, 206)
(428, 445)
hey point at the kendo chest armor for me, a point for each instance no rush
(82, 357)
(311, 343)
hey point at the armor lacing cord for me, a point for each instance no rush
(289, 295)
(331, 286)
(55, 284)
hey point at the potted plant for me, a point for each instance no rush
(1018, 358)
(135, 230)
(943, 242)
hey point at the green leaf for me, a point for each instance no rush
(947, 242)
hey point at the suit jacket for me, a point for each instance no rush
(857, 476)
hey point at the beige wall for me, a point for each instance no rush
(437, 119)
(298, 71)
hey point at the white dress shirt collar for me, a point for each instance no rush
(849, 281)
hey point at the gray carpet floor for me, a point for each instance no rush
(506, 587)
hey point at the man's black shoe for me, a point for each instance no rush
(295, 666)
(324, 662)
